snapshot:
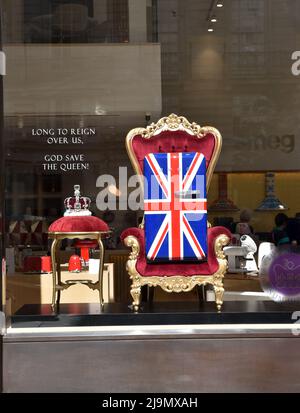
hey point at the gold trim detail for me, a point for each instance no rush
(177, 283)
(173, 123)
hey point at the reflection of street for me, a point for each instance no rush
(258, 136)
(112, 241)
(69, 23)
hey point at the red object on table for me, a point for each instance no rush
(75, 263)
(85, 246)
(46, 264)
(37, 264)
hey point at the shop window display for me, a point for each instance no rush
(81, 74)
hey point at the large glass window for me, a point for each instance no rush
(82, 73)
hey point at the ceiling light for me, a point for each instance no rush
(219, 4)
(213, 19)
(210, 29)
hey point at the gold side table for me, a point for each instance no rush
(58, 285)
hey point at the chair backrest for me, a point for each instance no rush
(174, 134)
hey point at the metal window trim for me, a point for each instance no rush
(2, 63)
(2, 323)
(151, 332)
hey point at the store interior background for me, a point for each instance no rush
(109, 64)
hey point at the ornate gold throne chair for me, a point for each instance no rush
(175, 134)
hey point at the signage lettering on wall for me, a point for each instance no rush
(64, 136)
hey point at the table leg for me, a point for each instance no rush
(53, 259)
(58, 272)
(101, 267)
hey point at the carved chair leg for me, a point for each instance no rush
(136, 295)
(58, 270)
(100, 274)
(58, 299)
(220, 242)
(219, 292)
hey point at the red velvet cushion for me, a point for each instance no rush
(78, 224)
(176, 141)
(183, 269)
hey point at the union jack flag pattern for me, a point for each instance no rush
(175, 207)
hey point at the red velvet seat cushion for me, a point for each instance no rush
(183, 269)
(79, 224)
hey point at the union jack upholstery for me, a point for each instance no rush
(175, 207)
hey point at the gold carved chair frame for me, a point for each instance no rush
(176, 283)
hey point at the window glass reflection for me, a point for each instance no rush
(108, 66)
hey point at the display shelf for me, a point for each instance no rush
(167, 313)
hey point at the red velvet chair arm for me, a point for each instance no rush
(214, 232)
(139, 234)
(212, 235)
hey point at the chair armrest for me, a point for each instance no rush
(135, 239)
(217, 238)
(214, 232)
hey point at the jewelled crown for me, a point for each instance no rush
(77, 205)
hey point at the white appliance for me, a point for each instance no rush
(241, 257)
